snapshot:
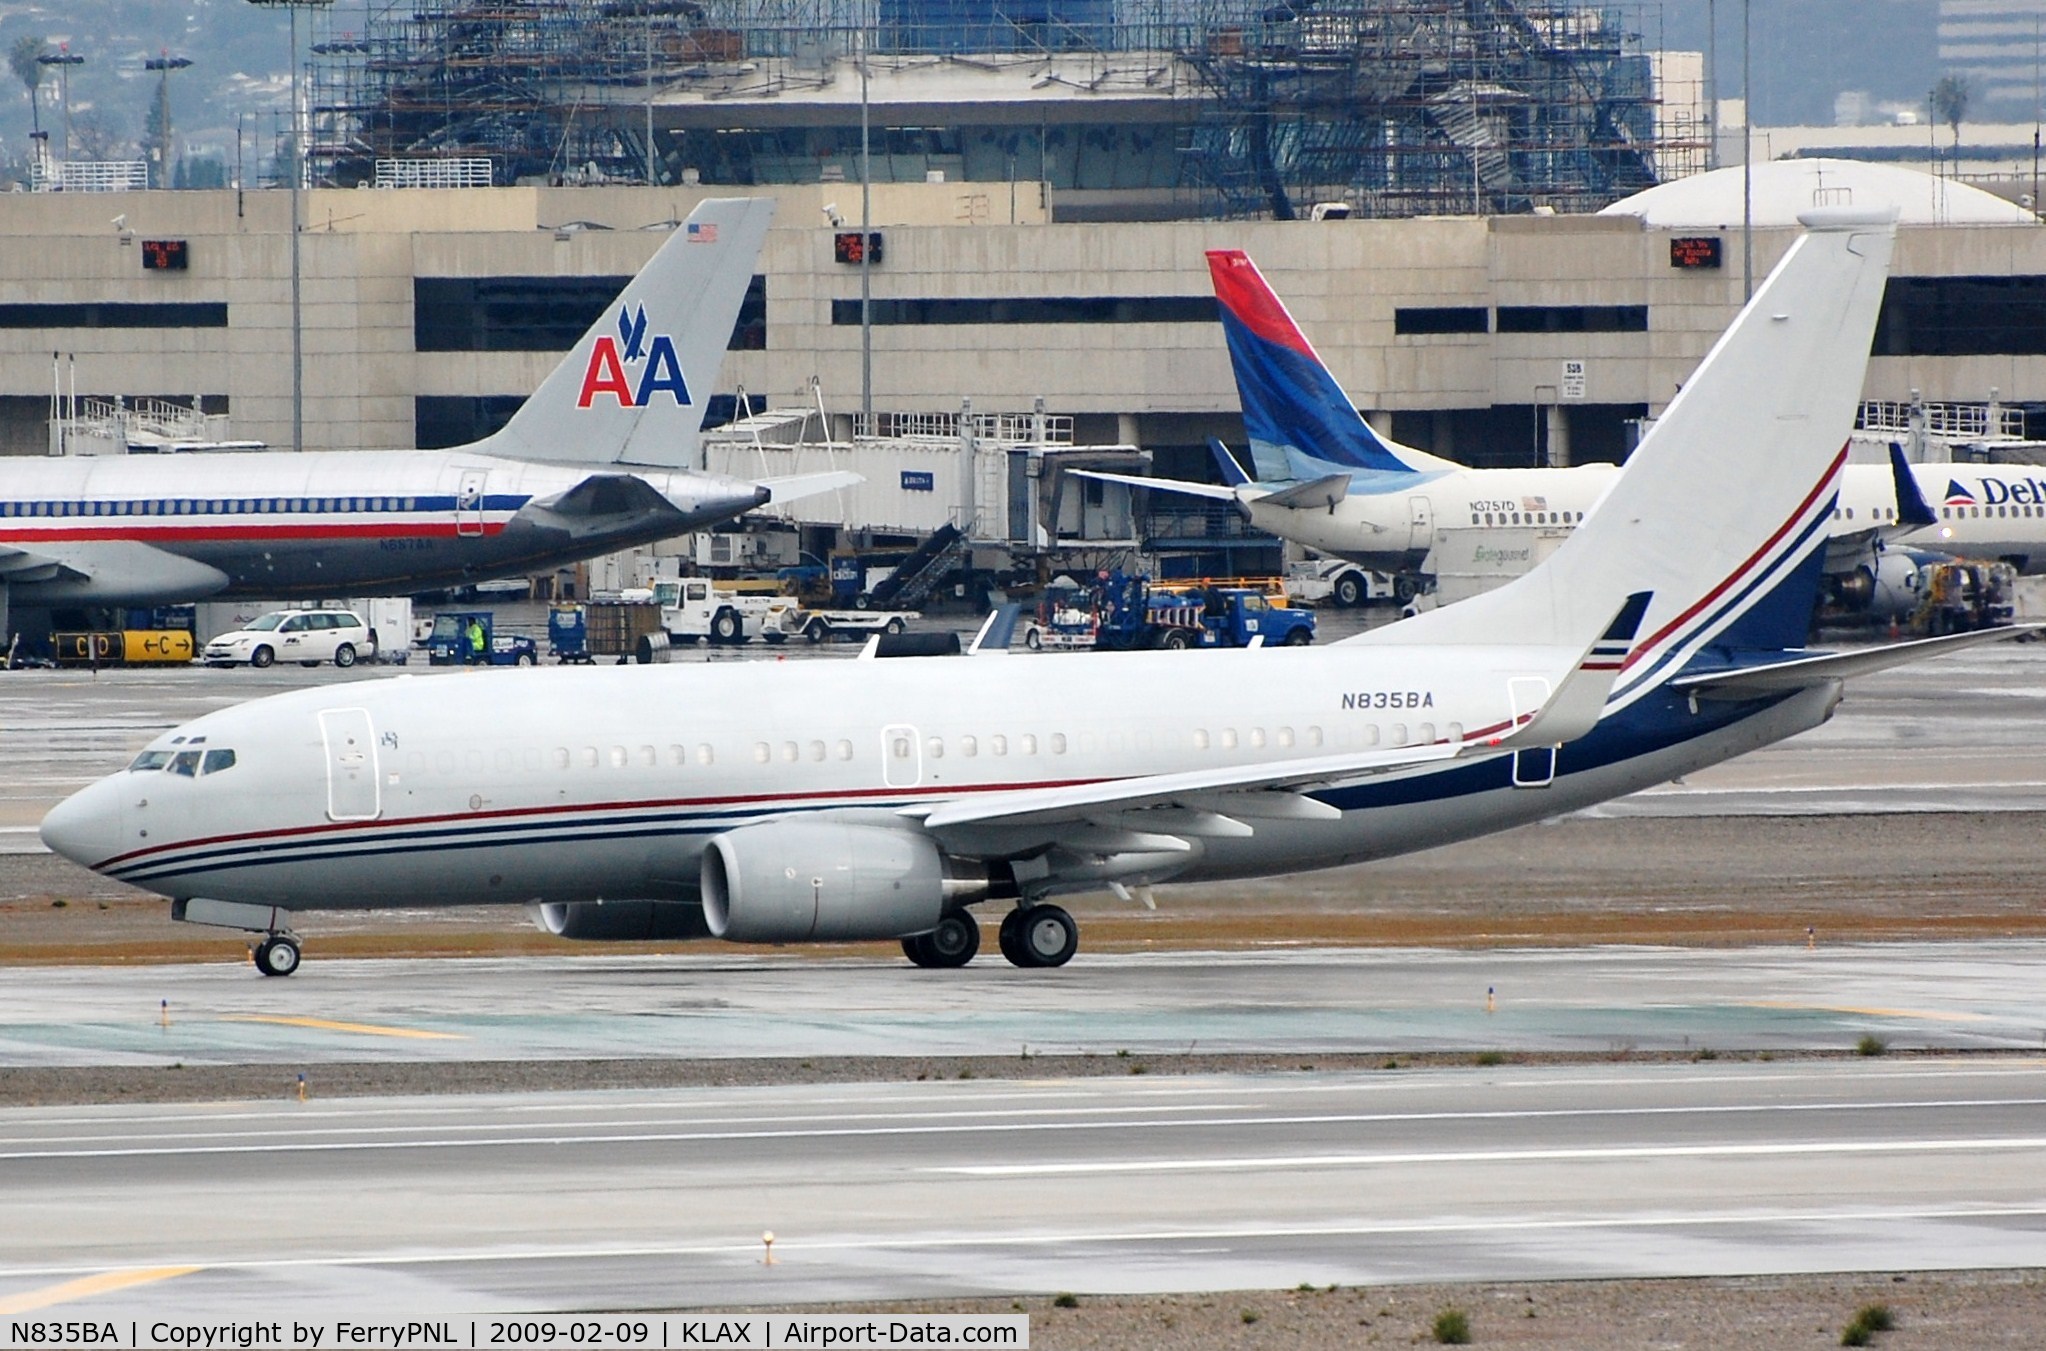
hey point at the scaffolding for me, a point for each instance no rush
(1392, 107)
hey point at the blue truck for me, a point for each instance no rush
(1133, 612)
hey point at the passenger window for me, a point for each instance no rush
(1285, 737)
(1456, 731)
(1058, 743)
(1427, 733)
(845, 750)
(1399, 734)
(935, 747)
(1201, 739)
(296, 624)
(618, 757)
(1314, 736)
(1371, 735)
(790, 752)
(968, 746)
(589, 757)
(149, 760)
(998, 745)
(705, 755)
(1027, 743)
(561, 757)
(899, 747)
(678, 756)
(761, 753)
(649, 757)
(1257, 738)
(817, 751)
(1228, 738)
(185, 763)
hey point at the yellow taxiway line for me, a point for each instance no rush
(328, 1025)
(1927, 1015)
(30, 1300)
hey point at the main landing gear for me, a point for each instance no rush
(1031, 935)
(277, 954)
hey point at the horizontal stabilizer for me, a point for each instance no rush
(996, 631)
(104, 572)
(1232, 472)
(1213, 491)
(608, 495)
(1743, 682)
(1574, 709)
(794, 486)
(1320, 495)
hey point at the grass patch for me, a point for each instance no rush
(1489, 1058)
(1065, 1300)
(1866, 1323)
(1870, 1045)
(1452, 1327)
(1249, 1316)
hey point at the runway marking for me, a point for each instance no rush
(1581, 1154)
(297, 1141)
(329, 1025)
(749, 1246)
(104, 1283)
(1929, 1015)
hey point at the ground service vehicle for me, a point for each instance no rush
(307, 637)
(696, 609)
(1132, 612)
(452, 644)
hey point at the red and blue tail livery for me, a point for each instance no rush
(659, 368)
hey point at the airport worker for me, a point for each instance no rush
(475, 639)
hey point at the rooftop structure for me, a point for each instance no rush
(1782, 189)
(1183, 107)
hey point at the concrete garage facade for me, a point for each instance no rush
(428, 314)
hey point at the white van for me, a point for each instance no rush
(307, 637)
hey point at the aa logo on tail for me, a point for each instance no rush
(659, 367)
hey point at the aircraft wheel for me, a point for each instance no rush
(344, 655)
(1047, 935)
(1349, 591)
(277, 955)
(262, 657)
(956, 939)
(917, 948)
(1009, 936)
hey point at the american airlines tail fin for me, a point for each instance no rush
(1722, 511)
(632, 391)
(1292, 407)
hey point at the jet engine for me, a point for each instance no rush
(621, 921)
(809, 881)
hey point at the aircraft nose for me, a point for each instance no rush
(86, 827)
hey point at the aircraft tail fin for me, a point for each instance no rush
(1292, 407)
(1913, 511)
(632, 391)
(1723, 509)
(1225, 460)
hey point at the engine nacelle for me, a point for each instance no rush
(818, 881)
(621, 921)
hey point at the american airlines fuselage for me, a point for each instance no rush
(165, 528)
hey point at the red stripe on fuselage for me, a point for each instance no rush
(425, 529)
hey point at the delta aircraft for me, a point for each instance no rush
(881, 799)
(1327, 480)
(591, 463)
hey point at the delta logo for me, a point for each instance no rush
(659, 368)
(1957, 496)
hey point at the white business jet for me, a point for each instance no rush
(880, 799)
(593, 462)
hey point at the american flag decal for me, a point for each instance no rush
(702, 234)
(1534, 504)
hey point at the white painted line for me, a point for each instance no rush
(1589, 1153)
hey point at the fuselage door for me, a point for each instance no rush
(352, 788)
(902, 761)
(469, 503)
(1420, 525)
(1533, 766)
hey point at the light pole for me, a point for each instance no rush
(1747, 165)
(866, 249)
(164, 65)
(297, 144)
(63, 59)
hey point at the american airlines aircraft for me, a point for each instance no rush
(591, 463)
(1327, 480)
(880, 799)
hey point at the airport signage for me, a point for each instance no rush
(847, 248)
(919, 481)
(1694, 251)
(164, 255)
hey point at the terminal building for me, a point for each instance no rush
(428, 314)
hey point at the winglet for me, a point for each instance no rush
(1574, 709)
(996, 630)
(1912, 508)
(1232, 472)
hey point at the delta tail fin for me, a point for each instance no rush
(1293, 408)
(1722, 511)
(632, 391)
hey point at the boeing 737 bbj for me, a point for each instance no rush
(591, 463)
(1326, 479)
(791, 802)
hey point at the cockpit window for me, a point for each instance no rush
(265, 623)
(150, 760)
(217, 760)
(186, 763)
